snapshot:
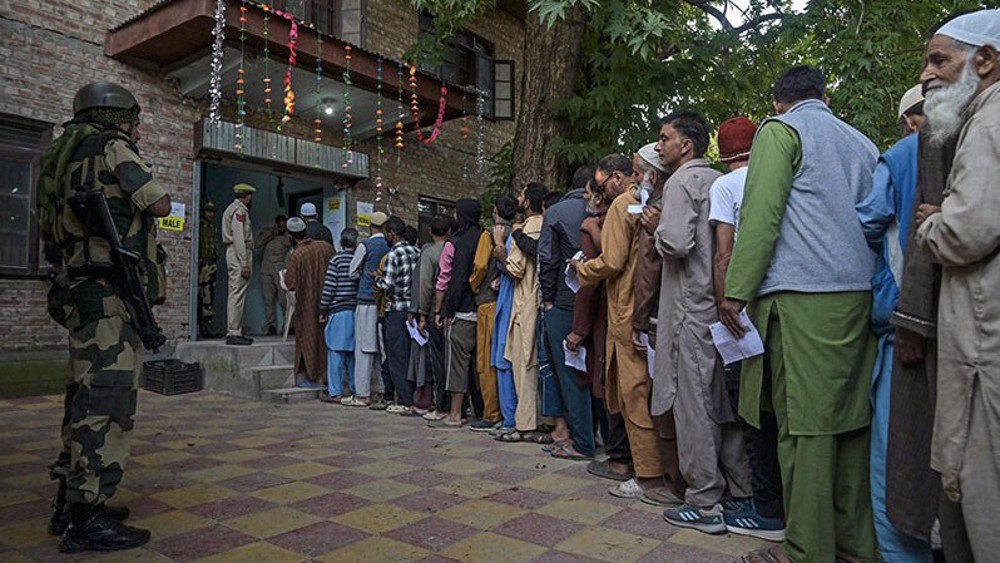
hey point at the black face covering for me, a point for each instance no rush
(468, 212)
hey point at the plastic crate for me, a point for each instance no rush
(172, 377)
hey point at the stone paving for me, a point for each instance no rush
(223, 479)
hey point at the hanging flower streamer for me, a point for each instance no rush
(293, 39)
(347, 155)
(267, 58)
(215, 86)
(400, 144)
(415, 108)
(378, 131)
(241, 81)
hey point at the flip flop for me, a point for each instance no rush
(564, 452)
(603, 469)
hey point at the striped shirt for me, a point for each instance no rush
(340, 290)
(399, 266)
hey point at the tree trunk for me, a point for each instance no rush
(551, 62)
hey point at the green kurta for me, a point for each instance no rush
(825, 394)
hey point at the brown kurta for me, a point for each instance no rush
(305, 274)
(626, 378)
(647, 274)
(912, 488)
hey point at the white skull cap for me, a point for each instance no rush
(978, 28)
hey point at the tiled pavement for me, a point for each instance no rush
(222, 479)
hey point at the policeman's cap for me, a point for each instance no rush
(104, 94)
(244, 189)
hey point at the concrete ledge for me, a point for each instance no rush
(290, 395)
(236, 370)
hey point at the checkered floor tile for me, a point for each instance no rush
(222, 479)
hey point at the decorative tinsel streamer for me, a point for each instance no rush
(215, 85)
(347, 155)
(318, 122)
(378, 131)
(480, 135)
(267, 58)
(241, 81)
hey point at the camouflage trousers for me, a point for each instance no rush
(99, 410)
(206, 292)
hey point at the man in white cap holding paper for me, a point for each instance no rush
(364, 265)
(886, 217)
(961, 80)
(314, 228)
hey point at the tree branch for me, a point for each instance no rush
(757, 21)
(720, 16)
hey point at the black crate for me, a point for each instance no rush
(172, 377)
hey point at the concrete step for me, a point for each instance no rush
(264, 378)
(287, 395)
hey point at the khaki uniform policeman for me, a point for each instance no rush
(237, 235)
(100, 401)
(208, 268)
(276, 244)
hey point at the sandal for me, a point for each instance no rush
(661, 496)
(627, 489)
(513, 436)
(567, 452)
(540, 437)
(434, 415)
(771, 554)
(603, 469)
(354, 402)
(558, 444)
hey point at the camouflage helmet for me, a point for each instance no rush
(104, 95)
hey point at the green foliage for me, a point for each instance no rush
(501, 180)
(644, 58)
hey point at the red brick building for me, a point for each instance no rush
(161, 50)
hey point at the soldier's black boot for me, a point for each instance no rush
(60, 513)
(91, 529)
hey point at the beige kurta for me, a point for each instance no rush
(521, 350)
(627, 382)
(965, 239)
(687, 303)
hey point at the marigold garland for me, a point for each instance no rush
(400, 143)
(241, 81)
(415, 108)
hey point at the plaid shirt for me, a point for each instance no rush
(400, 264)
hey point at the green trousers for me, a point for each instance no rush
(828, 511)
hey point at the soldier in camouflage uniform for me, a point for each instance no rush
(104, 345)
(208, 268)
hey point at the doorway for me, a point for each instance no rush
(276, 194)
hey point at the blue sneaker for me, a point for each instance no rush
(742, 518)
(708, 521)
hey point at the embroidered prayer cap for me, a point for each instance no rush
(977, 29)
(244, 189)
(649, 155)
(295, 225)
(735, 139)
(379, 218)
(910, 99)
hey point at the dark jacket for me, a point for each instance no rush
(559, 241)
(318, 231)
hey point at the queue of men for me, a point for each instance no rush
(590, 320)
(809, 235)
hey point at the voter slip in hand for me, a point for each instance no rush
(415, 334)
(732, 349)
(572, 281)
(576, 360)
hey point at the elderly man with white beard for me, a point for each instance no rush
(961, 79)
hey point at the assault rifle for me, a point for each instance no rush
(91, 206)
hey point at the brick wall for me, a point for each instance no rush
(49, 49)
